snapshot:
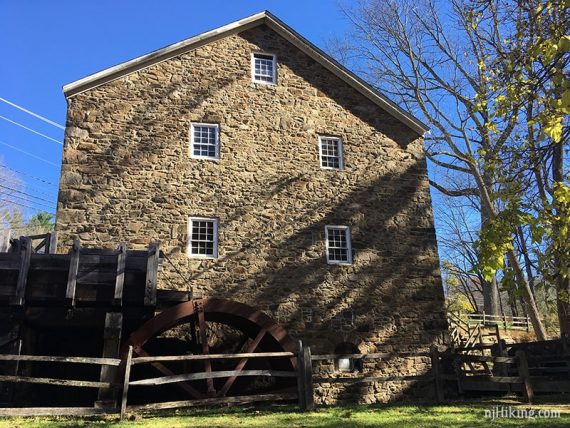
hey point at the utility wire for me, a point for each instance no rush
(28, 153)
(29, 175)
(26, 200)
(25, 186)
(33, 114)
(24, 193)
(27, 206)
(31, 130)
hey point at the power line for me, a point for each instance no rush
(33, 114)
(26, 200)
(29, 175)
(24, 193)
(27, 206)
(31, 130)
(27, 187)
(28, 153)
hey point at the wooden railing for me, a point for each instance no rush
(302, 372)
(503, 321)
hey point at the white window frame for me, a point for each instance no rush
(348, 236)
(340, 152)
(217, 142)
(274, 76)
(215, 242)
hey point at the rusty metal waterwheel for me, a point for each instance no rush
(211, 326)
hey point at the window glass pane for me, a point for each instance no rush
(338, 244)
(205, 141)
(202, 239)
(263, 68)
(331, 152)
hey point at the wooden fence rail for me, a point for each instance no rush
(505, 322)
(523, 373)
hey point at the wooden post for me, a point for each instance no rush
(120, 278)
(504, 322)
(151, 274)
(525, 376)
(483, 317)
(126, 382)
(72, 275)
(300, 377)
(5, 240)
(436, 371)
(305, 378)
(107, 397)
(25, 257)
(527, 324)
(51, 243)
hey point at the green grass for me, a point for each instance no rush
(460, 414)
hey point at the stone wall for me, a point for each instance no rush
(127, 176)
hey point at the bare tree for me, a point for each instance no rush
(433, 58)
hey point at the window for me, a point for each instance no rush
(337, 241)
(263, 68)
(203, 238)
(205, 142)
(330, 151)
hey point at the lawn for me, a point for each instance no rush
(460, 414)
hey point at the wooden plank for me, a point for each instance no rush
(468, 385)
(144, 360)
(72, 275)
(438, 384)
(61, 382)
(5, 240)
(465, 358)
(120, 279)
(371, 356)
(525, 376)
(244, 399)
(199, 309)
(25, 257)
(307, 403)
(300, 376)
(111, 344)
(53, 411)
(126, 382)
(52, 243)
(241, 364)
(161, 368)
(151, 274)
(77, 360)
(553, 386)
(212, 375)
(362, 379)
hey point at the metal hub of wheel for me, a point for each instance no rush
(214, 326)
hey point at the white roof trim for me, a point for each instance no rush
(278, 26)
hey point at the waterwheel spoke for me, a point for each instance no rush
(241, 364)
(161, 368)
(199, 308)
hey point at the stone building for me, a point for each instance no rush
(270, 175)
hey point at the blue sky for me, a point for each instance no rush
(46, 44)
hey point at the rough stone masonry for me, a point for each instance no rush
(127, 176)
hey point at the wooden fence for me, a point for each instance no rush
(503, 321)
(519, 373)
(501, 373)
(302, 374)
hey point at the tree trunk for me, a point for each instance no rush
(489, 288)
(562, 271)
(528, 297)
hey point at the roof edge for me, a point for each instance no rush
(159, 55)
